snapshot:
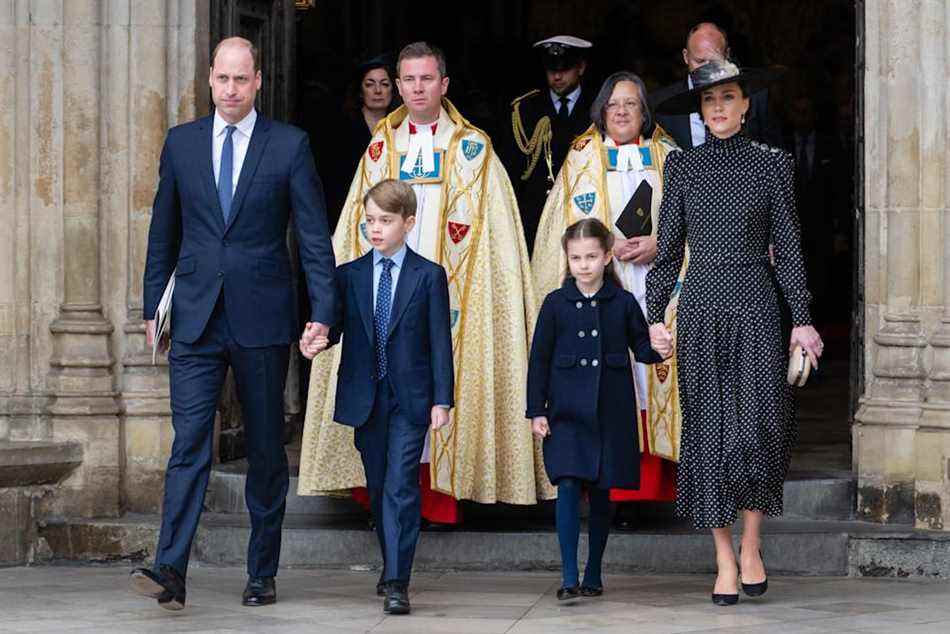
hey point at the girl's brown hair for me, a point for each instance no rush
(591, 228)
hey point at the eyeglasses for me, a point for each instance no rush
(616, 106)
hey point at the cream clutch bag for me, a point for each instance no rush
(799, 367)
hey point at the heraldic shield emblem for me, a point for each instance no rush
(376, 150)
(471, 149)
(585, 202)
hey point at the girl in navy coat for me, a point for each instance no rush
(581, 396)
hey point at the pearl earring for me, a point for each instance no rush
(743, 120)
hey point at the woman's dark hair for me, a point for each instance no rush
(591, 228)
(353, 97)
(598, 109)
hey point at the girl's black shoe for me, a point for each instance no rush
(568, 592)
(725, 599)
(592, 591)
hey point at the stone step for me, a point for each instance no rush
(31, 463)
(790, 547)
(812, 495)
(26, 466)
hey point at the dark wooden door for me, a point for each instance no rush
(271, 26)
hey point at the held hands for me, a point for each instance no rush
(440, 417)
(314, 339)
(807, 337)
(661, 340)
(540, 427)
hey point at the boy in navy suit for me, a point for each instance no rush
(396, 376)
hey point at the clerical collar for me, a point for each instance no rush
(636, 141)
(413, 129)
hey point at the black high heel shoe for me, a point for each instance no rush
(725, 599)
(755, 589)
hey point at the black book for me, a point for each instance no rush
(636, 219)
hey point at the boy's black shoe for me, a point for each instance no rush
(568, 592)
(397, 599)
(259, 591)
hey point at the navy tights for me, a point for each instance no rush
(569, 528)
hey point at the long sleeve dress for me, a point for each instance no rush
(729, 199)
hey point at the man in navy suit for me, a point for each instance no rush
(228, 185)
(396, 377)
(704, 43)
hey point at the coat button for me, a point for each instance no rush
(580, 334)
(593, 303)
(593, 333)
(595, 363)
(224, 242)
(584, 362)
(580, 305)
(220, 273)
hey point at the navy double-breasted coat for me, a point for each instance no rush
(580, 377)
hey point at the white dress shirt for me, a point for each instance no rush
(572, 98)
(697, 129)
(240, 140)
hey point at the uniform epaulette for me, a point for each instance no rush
(530, 93)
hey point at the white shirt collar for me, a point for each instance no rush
(572, 97)
(245, 125)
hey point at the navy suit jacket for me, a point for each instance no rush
(418, 350)
(248, 257)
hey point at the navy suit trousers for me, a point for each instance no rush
(197, 373)
(391, 447)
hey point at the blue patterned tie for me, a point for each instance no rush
(381, 317)
(226, 175)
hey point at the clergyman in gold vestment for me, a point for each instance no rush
(467, 220)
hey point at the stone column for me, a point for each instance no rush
(83, 405)
(8, 213)
(162, 43)
(905, 174)
(933, 446)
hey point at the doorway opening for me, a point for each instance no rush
(314, 48)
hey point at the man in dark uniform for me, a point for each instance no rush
(544, 124)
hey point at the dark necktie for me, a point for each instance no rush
(563, 112)
(381, 317)
(226, 175)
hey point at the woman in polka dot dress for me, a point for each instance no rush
(730, 199)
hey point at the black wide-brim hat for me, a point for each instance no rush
(715, 74)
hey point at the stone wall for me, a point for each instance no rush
(88, 90)
(902, 439)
